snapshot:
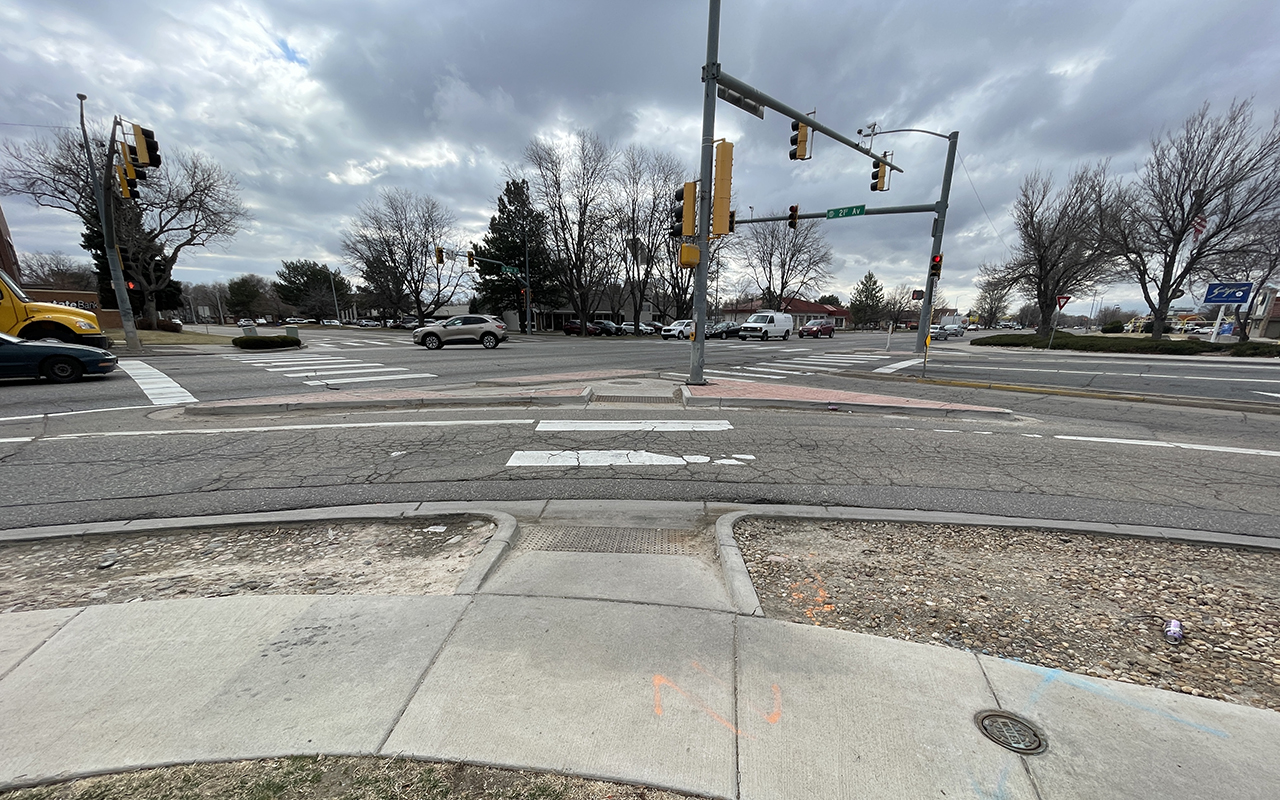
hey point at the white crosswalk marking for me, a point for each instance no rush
(889, 368)
(160, 389)
(372, 378)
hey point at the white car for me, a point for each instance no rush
(678, 329)
(329, 322)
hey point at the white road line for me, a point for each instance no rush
(796, 350)
(1212, 448)
(343, 372)
(796, 371)
(1115, 374)
(342, 362)
(803, 365)
(752, 374)
(1269, 394)
(681, 377)
(159, 388)
(634, 425)
(72, 413)
(606, 458)
(434, 423)
(887, 368)
(372, 378)
(18, 439)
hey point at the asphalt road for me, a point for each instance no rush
(122, 447)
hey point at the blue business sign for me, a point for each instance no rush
(1227, 294)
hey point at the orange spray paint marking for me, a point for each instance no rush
(662, 680)
(772, 717)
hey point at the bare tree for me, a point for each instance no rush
(898, 304)
(1058, 251)
(57, 270)
(571, 184)
(644, 184)
(785, 263)
(391, 245)
(1197, 202)
(993, 297)
(1257, 262)
(188, 202)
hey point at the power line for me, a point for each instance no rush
(30, 125)
(980, 203)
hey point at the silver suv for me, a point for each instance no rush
(462, 329)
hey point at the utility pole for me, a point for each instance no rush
(939, 223)
(107, 220)
(336, 313)
(710, 74)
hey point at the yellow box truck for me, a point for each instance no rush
(24, 317)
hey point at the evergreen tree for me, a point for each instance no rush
(867, 302)
(311, 288)
(515, 223)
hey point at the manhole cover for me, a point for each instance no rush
(1011, 731)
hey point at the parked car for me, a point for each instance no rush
(724, 330)
(938, 333)
(973, 326)
(369, 323)
(818, 327)
(260, 321)
(329, 322)
(678, 329)
(244, 323)
(60, 362)
(294, 321)
(574, 327)
(609, 328)
(462, 329)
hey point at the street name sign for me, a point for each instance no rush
(1228, 294)
(511, 270)
(847, 211)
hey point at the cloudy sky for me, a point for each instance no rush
(314, 106)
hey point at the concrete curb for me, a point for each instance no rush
(1158, 399)
(408, 402)
(687, 399)
(489, 558)
(742, 592)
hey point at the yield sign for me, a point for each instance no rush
(1063, 299)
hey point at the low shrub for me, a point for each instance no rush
(1115, 326)
(1097, 344)
(1255, 350)
(266, 342)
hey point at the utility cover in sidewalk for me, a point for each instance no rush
(1012, 732)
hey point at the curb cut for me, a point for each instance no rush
(492, 555)
(742, 592)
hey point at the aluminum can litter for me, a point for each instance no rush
(1173, 632)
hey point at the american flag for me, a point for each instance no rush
(1198, 225)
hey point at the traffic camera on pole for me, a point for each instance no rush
(799, 141)
(793, 217)
(935, 266)
(683, 212)
(722, 190)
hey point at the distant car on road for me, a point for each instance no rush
(938, 333)
(609, 328)
(329, 322)
(369, 323)
(60, 362)
(244, 323)
(954, 330)
(678, 329)
(818, 327)
(462, 329)
(574, 327)
(973, 326)
(724, 330)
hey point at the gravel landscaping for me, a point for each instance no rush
(422, 556)
(1095, 605)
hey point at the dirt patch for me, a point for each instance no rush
(1089, 604)
(312, 778)
(423, 556)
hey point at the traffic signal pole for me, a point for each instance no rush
(710, 73)
(107, 219)
(939, 222)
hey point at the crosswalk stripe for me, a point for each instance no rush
(159, 388)
(752, 374)
(354, 371)
(371, 378)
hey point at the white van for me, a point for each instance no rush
(764, 324)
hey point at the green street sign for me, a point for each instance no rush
(511, 270)
(847, 211)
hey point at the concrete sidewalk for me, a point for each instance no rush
(644, 668)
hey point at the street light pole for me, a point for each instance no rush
(939, 223)
(334, 289)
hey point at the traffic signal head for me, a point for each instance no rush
(722, 188)
(128, 185)
(471, 259)
(793, 217)
(144, 141)
(935, 266)
(877, 176)
(440, 255)
(683, 212)
(917, 294)
(799, 141)
(733, 219)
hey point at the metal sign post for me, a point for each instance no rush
(1063, 299)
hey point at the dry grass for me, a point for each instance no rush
(191, 336)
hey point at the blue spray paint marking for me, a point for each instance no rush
(1001, 792)
(1052, 676)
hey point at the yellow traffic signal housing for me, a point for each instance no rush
(144, 141)
(127, 185)
(723, 184)
(799, 141)
(689, 255)
(688, 197)
(440, 255)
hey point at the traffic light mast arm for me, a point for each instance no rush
(870, 212)
(505, 266)
(751, 93)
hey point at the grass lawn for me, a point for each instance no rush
(165, 337)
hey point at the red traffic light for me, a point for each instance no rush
(130, 285)
(793, 217)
